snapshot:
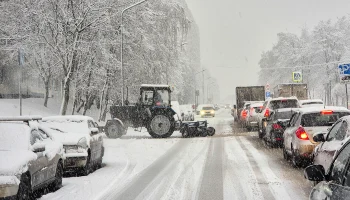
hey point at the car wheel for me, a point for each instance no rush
(57, 184)
(285, 154)
(25, 188)
(295, 160)
(87, 169)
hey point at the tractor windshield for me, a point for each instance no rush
(162, 98)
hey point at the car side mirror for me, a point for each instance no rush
(314, 173)
(94, 131)
(319, 137)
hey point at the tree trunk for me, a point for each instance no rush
(65, 96)
(46, 97)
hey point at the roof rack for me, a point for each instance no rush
(20, 118)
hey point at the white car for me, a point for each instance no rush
(252, 115)
(82, 142)
(304, 123)
(187, 112)
(311, 103)
(28, 162)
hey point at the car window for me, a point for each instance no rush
(333, 131)
(319, 119)
(91, 124)
(347, 177)
(43, 134)
(284, 103)
(35, 137)
(294, 119)
(340, 135)
(338, 166)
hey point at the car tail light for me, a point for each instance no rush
(301, 133)
(244, 114)
(327, 112)
(267, 113)
(276, 126)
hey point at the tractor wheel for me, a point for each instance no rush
(211, 131)
(114, 129)
(161, 125)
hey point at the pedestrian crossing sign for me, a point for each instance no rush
(297, 77)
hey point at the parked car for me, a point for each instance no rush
(251, 121)
(277, 122)
(311, 103)
(298, 137)
(334, 184)
(82, 141)
(273, 104)
(207, 111)
(28, 162)
(187, 112)
(331, 141)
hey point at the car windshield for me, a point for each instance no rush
(319, 119)
(310, 103)
(207, 108)
(285, 103)
(14, 136)
(68, 126)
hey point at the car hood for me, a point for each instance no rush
(16, 161)
(69, 138)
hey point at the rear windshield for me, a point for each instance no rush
(207, 108)
(283, 115)
(318, 119)
(284, 103)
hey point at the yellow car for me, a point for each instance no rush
(207, 112)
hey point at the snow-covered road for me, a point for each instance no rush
(231, 165)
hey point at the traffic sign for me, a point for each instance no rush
(267, 94)
(267, 87)
(297, 77)
(344, 73)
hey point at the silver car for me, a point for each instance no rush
(82, 141)
(252, 115)
(298, 136)
(28, 161)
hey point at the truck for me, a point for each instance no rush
(298, 90)
(245, 94)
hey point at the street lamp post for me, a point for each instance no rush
(121, 46)
(195, 96)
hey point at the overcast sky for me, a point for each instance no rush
(235, 32)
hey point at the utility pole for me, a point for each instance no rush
(21, 61)
(203, 85)
(121, 47)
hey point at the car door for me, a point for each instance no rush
(327, 149)
(290, 132)
(99, 142)
(38, 168)
(52, 163)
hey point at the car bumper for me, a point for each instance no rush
(8, 191)
(305, 150)
(207, 115)
(75, 160)
(253, 124)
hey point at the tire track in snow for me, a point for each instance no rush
(212, 179)
(274, 184)
(141, 181)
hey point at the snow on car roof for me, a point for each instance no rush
(319, 109)
(256, 104)
(68, 117)
(152, 85)
(20, 118)
(311, 100)
(281, 98)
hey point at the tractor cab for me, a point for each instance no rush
(155, 95)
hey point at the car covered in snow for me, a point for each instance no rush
(335, 182)
(298, 136)
(28, 162)
(81, 139)
(311, 103)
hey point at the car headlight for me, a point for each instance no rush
(83, 143)
(202, 112)
(212, 112)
